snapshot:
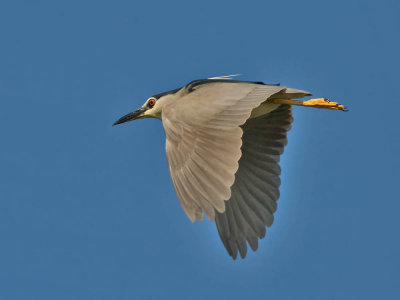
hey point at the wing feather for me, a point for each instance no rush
(256, 187)
(224, 232)
(204, 141)
(224, 164)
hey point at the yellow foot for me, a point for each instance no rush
(324, 103)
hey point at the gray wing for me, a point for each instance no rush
(256, 187)
(203, 141)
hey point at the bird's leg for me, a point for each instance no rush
(317, 103)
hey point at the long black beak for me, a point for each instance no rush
(131, 116)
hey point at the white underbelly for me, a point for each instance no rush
(263, 109)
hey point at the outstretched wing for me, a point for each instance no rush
(204, 139)
(256, 189)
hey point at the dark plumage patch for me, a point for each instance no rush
(190, 87)
(193, 84)
(158, 96)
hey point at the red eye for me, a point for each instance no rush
(151, 102)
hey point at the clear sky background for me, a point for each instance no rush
(88, 211)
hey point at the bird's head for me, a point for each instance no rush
(152, 108)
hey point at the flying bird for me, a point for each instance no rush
(224, 139)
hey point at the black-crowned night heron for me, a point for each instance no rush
(224, 139)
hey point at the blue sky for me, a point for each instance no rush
(88, 211)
